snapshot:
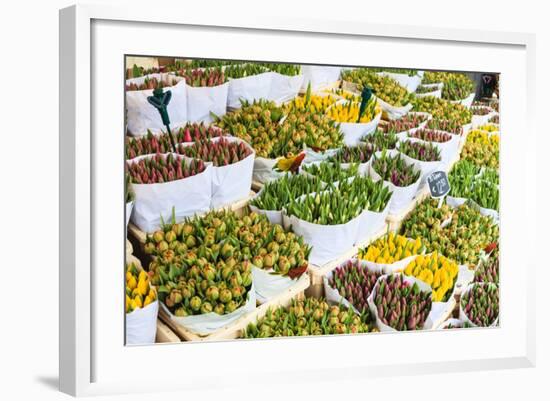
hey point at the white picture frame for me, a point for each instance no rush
(92, 351)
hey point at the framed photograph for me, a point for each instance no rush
(297, 200)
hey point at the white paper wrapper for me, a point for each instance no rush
(408, 82)
(249, 88)
(371, 223)
(328, 241)
(467, 101)
(263, 170)
(402, 196)
(482, 120)
(462, 315)
(319, 76)
(284, 87)
(141, 325)
(428, 324)
(143, 116)
(454, 323)
(437, 89)
(390, 268)
(269, 285)
(129, 207)
(186, 196)
(210, 322)
(394, 112)
(203, 100)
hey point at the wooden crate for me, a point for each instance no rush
(165, 335)
(316, 273)
(239, 207)
(236, 328)
(257, 186)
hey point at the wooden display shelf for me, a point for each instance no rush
(165, 334)
(236, 328)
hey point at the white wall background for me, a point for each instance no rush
(29, 200)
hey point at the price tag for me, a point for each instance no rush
(439, 185)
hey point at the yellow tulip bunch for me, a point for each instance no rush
(348, 112)
(483, 138)
(488, 127)
(139, 292)
(316, 103)
(354, 97)
(391, 248)
(437, 271)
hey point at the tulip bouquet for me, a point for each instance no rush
(354, 282)
(139, 292)
(130, 195)
(222, 152)
(488, 270)
(425, 89)
(353, 154)
(136, 72)
(489, 127)
(430, 135)
(495, 119)
(480, 304)
(278, 193)
(347, 95)
(391, 248)
(482, 149)
(384, 87)
(481, 110)
(462, 177)
(381, 140)
(203, 77)
(243, 70)
(395, 170)
(457, 87)
(442, 109)
(427, 216)
(405, 123)
(342, 204)
(151, 144)
(348, 112)
(311, 103)
(201, 63)
(485, 194)
(451, 126)
(425, 152)
(438, 272)
(434, 77)
(461, 240)
(157, 169)
(282, 68)
(306, 317)
(400, 304)
(151, 83)
(331, 172)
